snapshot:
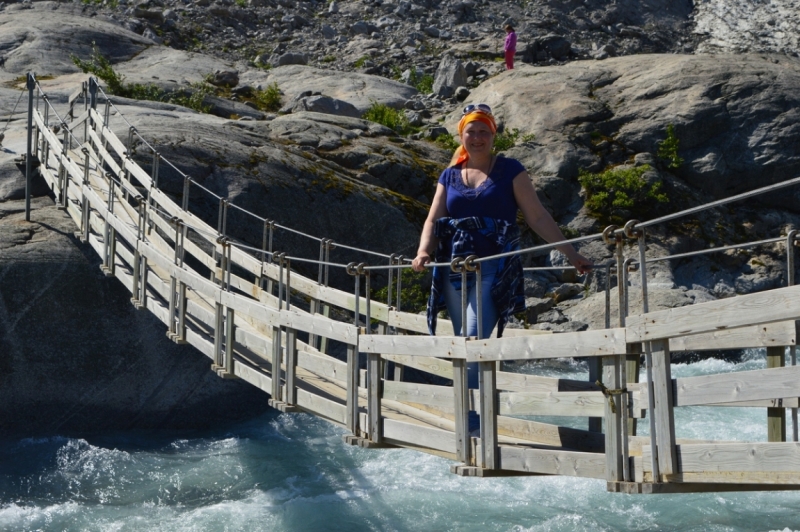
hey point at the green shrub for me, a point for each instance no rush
(328, 59)
(360, 61)
(423, 83)
(416, 287)
(616, 194)
(506, 140)
(101, 67)
(668, 149)
(115, 84)
(387, 116)
(193, 99)
(447, 141)
(268, 99)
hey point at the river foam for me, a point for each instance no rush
(292, 472)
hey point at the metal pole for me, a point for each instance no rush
(45, 144)
(93, 92)
(648, 362)
(287, 290)
(366, 297)
(399, 290)
(460, 388)
(187, 181)
(324, 307)
(280, 279)
(85, 201)
(357, 312)
(608, 295)
(790, 280)
(392, 262)
(31, 85)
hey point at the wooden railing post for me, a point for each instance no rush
(461, 401)
(291, 366)
(776, 416)
(218, 334)
(276, 364)
(663, 409)
(230, 342)
(374, 384)
(108, 259)
(613, 416)
(488, 414)
(375, 428)
(352, 389)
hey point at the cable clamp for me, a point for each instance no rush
(608, 234)
(630, 229)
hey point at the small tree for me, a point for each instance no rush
(613, 195)
(668, 149)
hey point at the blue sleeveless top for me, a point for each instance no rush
(494, 198)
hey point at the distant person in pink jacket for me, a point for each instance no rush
(510, 46)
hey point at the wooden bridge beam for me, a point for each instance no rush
(776, 417)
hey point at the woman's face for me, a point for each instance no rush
(477, 138)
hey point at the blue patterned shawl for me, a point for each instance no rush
(457, 238)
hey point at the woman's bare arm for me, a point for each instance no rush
(428, 242)
(538, 219)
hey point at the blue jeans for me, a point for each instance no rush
(452, 299)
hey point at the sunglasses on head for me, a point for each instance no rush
(477, 107)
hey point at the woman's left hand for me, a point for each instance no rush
(581, 263)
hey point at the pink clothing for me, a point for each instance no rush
(511, 42)
(510, 48)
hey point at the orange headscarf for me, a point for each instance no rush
(461, 155)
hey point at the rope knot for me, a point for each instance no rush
(610, 393)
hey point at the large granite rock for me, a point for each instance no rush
(360, 90)
(735, 117)
(748, 26)
(450, 75)
(43, 38)
(78, 357)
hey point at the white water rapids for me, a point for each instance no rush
(292, 472)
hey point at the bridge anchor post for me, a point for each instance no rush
(31, 85)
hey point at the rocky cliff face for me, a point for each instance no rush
(597, 86)
(78, 357)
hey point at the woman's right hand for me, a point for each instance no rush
(419, 262)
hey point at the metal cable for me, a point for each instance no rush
(548, 269)
(174, 167)
(300, 233)
(201, 187)
(21, 94)
(245, 211)
(714, 250)
(718, 203)
(368, 252)
(543, 247)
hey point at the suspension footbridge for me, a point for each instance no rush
(238, 304)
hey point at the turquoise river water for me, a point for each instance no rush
(290, 472)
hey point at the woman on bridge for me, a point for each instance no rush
(474, 212)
